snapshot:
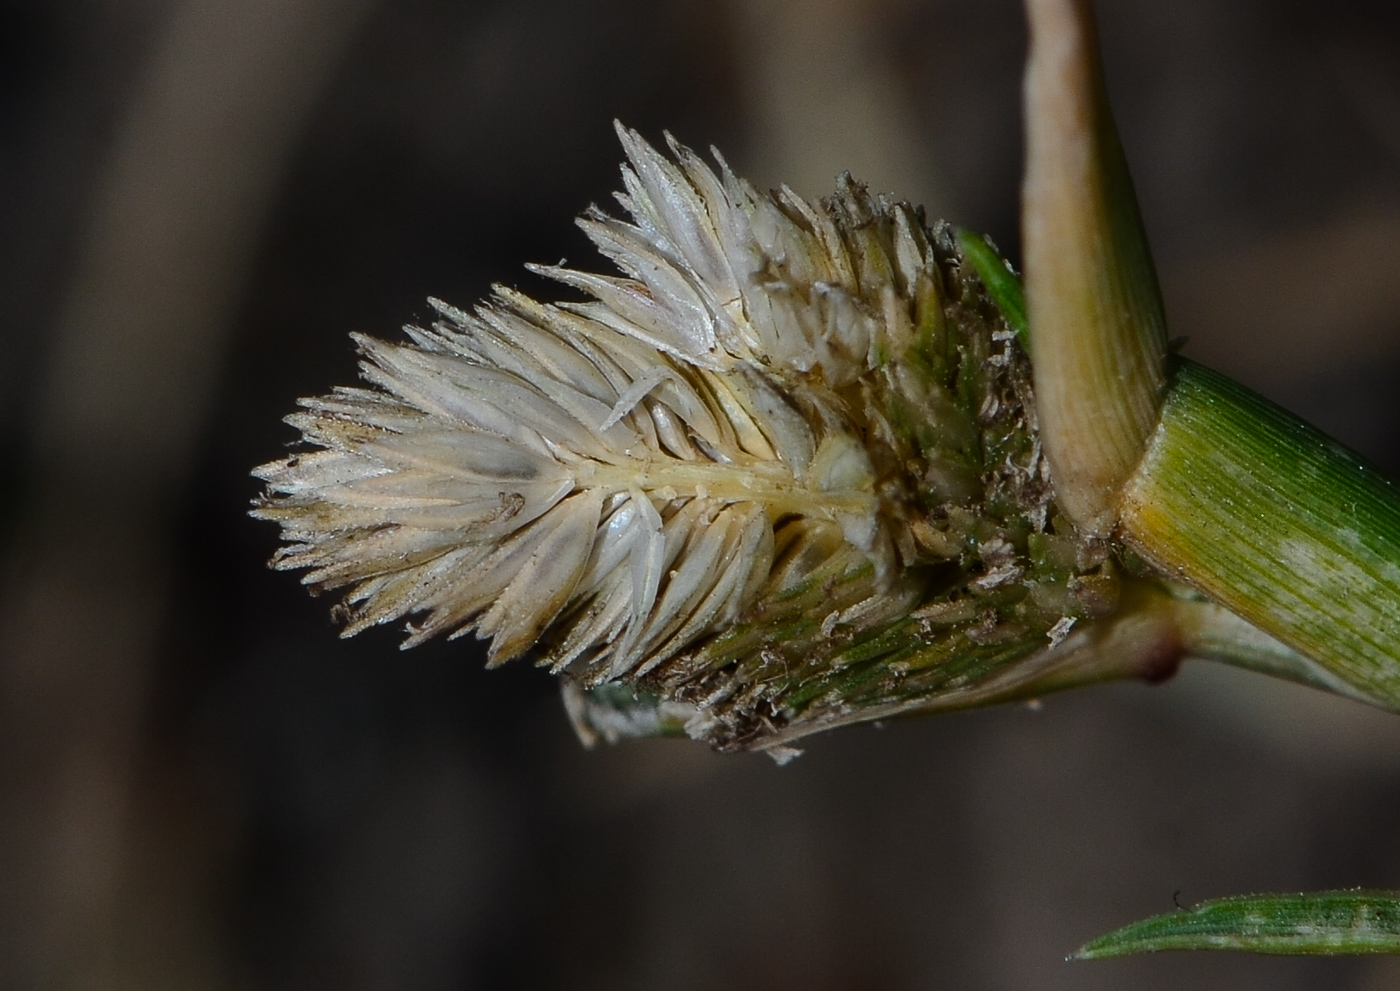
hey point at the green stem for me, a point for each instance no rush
(1267, 516)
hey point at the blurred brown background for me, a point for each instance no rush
(202, 787)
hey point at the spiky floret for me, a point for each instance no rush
(783, 469)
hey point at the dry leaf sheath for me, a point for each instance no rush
(783, 473)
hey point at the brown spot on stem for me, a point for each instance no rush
(1162, 660)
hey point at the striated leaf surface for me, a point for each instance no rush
(1321, 923)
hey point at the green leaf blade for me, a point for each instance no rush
(1001, 282)
(1326, 923)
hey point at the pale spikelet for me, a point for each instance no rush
(780, 434)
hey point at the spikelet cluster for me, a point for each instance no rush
(784, 466)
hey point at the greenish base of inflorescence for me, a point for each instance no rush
(1320, 924)
(987, 565)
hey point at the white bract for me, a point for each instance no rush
(622, 477)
